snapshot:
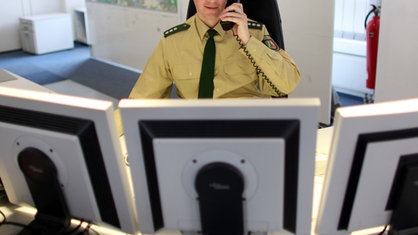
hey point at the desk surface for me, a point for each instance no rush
(8, 79)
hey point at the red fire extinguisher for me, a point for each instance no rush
(372, 42)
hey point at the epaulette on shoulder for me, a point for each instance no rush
(176, 29)
(255, 25)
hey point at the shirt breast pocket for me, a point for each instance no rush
(186, 71)
(240, 71)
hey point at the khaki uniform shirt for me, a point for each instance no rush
(178, 59)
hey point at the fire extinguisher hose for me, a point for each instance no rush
(374, 10)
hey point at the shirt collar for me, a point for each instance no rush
(202, 28)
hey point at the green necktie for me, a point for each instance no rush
(208, 67)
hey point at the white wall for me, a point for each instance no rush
(9, 24)
(349, 72)
(34, 7)
(308, 27)
(11, 10)
(397, 63)
(70, 5)
(126, 35)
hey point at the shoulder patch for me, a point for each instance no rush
(270, 43)
(254, 25)
(176, 29)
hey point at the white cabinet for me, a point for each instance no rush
(46, 33)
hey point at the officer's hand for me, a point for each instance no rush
(235, 13)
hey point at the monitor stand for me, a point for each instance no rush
(52, 215)
(220, 188)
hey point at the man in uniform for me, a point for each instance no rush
(240, 52)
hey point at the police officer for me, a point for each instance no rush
(178, 58)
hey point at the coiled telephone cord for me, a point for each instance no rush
(258, 69)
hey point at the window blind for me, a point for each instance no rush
(349, 18)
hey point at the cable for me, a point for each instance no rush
(40, 229)
(88, 228)
(126, 158)
(94, 231)
(383, 231)
(258, 69)
(4, 217)
(76, 228)
(5, 222)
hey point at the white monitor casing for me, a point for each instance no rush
(184, 136)
(66, 152)
(368, 141)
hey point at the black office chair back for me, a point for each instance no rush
(264, 11)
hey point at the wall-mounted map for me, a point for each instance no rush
(169, 6)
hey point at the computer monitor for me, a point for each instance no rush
(222, 166)
(372, 169)
(62, 155)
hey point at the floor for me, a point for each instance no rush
(348, 100)
(53, 70)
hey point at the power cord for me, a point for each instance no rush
(5, 222)
(86, 230)
(76, 228)
(383, 231)
(4, 217)
(42, 230)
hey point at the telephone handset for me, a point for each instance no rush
(228, 25)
